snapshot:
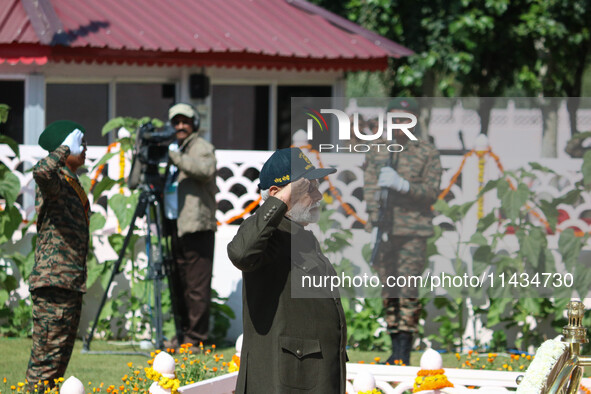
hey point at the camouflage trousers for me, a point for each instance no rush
(56, 314)
(401, 257)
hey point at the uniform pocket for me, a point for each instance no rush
(299, 362)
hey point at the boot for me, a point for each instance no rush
(395, 349)
(404, 343)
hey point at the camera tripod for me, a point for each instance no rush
(160, 265)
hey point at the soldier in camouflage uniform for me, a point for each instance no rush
(413, 180)
(58, 279)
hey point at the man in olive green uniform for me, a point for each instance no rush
(293, 342)
(58, 279)
(413, 181)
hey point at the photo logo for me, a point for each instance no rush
(395, 120)
(315, 116)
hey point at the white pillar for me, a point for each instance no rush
(34, 122)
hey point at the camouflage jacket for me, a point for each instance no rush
(197, 188)
(62, 227)
(420, 165)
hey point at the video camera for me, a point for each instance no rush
(151, 149)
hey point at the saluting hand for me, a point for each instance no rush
(292, 192)
(74, 142)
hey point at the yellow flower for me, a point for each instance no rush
(20, 384)
(13, 387)
(130, 364)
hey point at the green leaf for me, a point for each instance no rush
(85, 182)
(116, 123)
(531, 245)
(4, 295)
(569, 246)
(4, 139)
(4, 109)
(539, 167)
(104, 159)
(97, 222)
(124, 207)
(485, 222)
(10, 220)
(478, 239)
(512, 200)
(10, 283)
(94, 271)
(10, 186)
(550, 212)
(105, 184)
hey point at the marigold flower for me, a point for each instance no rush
(13, 387)
(215, 369)
(377, 359)
(4, 380)
(130, 364)
(121, 387)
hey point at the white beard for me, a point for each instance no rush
(304, 214)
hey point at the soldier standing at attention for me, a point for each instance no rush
(58, 279)
(413, 179)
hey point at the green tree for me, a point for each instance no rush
(559, 34)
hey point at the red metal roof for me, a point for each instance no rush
(242, 33)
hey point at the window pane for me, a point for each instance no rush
(137, 100)
(12, 93)
(240, 117)
(86, 104)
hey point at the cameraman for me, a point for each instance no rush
(190, 206)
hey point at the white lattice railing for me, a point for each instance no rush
(238, 180)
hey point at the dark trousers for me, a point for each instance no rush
(56, 315)
(193, 257)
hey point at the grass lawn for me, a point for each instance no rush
(110, 368)
(95, 368)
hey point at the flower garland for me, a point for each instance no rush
(537, 374)
(431, 379)
(166, 383)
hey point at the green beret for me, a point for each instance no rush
(54, 134)
(404, 103)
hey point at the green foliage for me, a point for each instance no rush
(15, 320)
(221, 314)
(365, 330)
(19, 321)
(518, 304)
